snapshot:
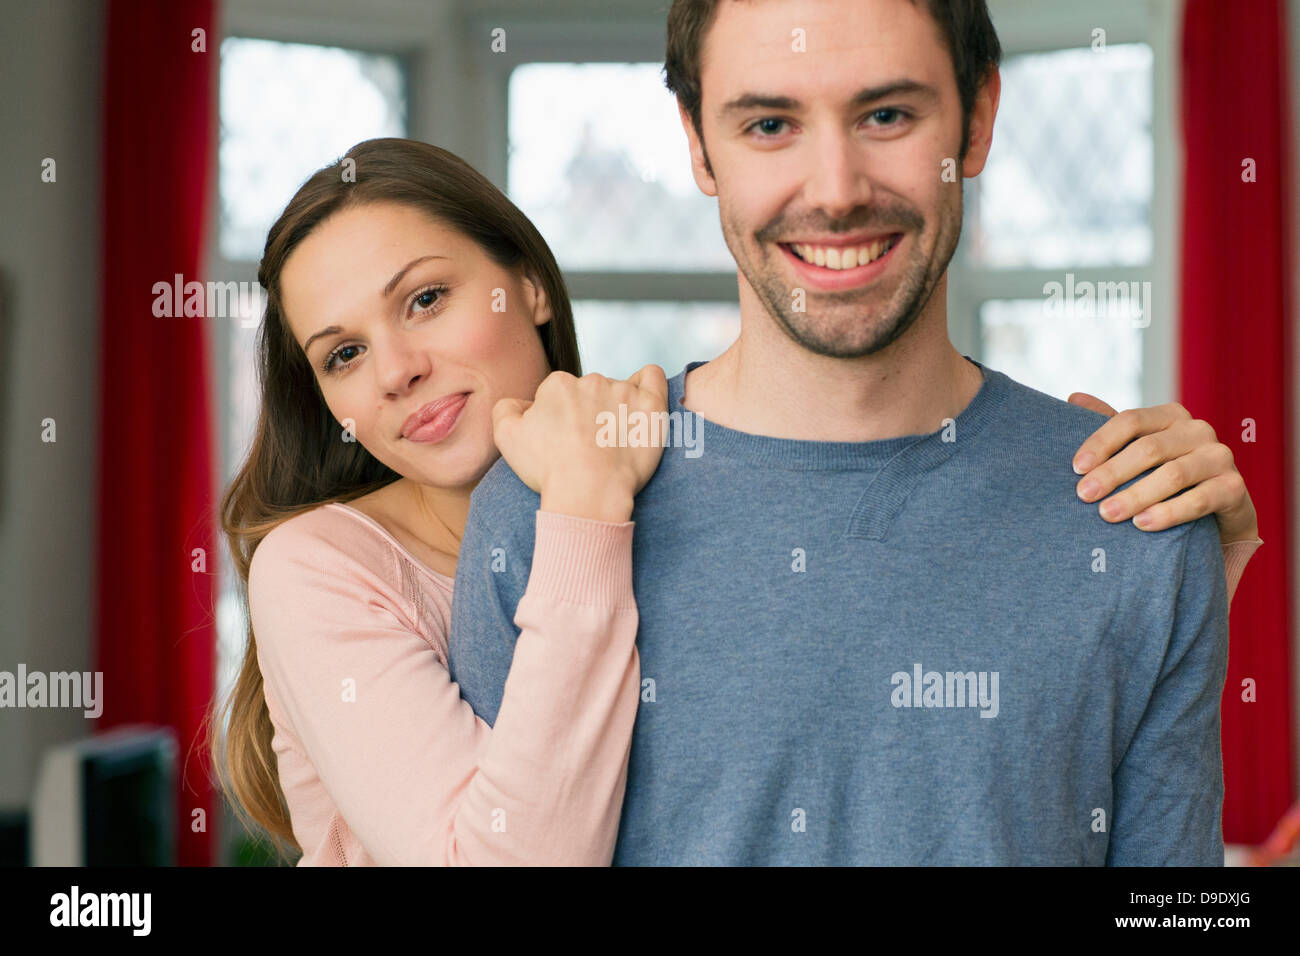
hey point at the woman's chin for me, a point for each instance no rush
(455, 470)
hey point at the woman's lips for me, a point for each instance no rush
(439, 425)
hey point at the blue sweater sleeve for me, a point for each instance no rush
(1168, 788)
(496, 555)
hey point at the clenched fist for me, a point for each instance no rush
(551, 442)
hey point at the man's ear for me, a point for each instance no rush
(699, 162)
(536, 300)
(981, 124)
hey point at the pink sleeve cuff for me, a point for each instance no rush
(583, 561)
(1235, 556)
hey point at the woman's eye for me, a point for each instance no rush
(427, 299)
(339, 353)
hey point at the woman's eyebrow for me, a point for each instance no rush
(388, 290)
(392, 283)
(329, 330)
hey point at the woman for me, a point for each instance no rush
(412, 314)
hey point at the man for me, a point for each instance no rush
(877, 624)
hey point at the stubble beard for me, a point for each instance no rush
(849, 324)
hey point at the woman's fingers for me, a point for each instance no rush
(1091, 402)
(1150, 447)
(1208, 497)
(506, 414)
(1187, 457)
(1176, 475)
(651, 378)
(1122, 429)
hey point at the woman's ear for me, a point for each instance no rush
(538, 303)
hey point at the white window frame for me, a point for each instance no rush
(622, 40)
(1034, 27)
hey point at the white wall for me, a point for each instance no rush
(49, 334)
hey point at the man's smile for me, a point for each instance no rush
(837, 264)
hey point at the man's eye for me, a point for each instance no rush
(769, 126)
(886, 115)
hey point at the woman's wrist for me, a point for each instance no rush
(599, 502)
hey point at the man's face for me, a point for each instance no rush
(827, 125)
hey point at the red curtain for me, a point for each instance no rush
(1237, 329)
(157, 484)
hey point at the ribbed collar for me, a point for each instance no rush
(922, 451)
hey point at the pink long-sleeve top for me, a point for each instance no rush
(381, 761)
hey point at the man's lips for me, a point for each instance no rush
(855, 263)
(843, 252)
(428, 412)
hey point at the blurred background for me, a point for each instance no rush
(1136, 142)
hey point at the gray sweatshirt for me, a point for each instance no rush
(919, 650)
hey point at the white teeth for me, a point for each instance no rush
(833, 257)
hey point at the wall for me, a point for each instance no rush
(49, 333)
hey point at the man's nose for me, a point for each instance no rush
(838, 180)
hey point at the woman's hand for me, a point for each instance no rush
(1190, 457)
(551, 442)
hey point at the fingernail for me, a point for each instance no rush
(1143, 519)
(1110, 508)
(1088, 489)
(1084, 462)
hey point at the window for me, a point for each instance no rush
(1065, 203)
(286, 110)
(599, 162)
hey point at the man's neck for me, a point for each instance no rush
(767, 384)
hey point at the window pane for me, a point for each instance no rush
(286, 110)
(599, 162)
(1069, 176)
(617, 338)
(1059, 355)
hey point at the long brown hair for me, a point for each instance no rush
(295, 462)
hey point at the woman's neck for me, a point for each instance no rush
(436, 515)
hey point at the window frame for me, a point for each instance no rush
(625, 40)
(1024, 28)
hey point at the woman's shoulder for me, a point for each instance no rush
(327, 539)
(335, 550)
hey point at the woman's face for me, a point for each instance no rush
(414, 313)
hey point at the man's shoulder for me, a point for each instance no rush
(1033, 443)
(1045, 423)
(502, 502)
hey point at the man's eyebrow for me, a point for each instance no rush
(388, 290)
(896, 88)
(750, 101)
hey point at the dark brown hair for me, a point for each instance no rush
(296, 462)
(965, 26)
